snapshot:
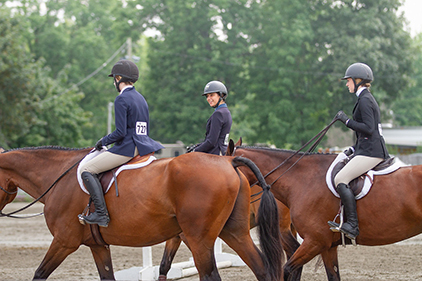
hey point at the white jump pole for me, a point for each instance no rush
(148, 272)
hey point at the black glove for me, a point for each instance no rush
(99, 145)
(342, 116)
(191, 148)
(349, 151)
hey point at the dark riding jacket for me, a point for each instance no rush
(217, 133)
(367, 125)
(132, 125)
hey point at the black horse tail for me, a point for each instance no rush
(268, 223)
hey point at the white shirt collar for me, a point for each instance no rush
(360, 91)
(130, 86)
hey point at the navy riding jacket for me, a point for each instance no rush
(217, 132)
(132, 125)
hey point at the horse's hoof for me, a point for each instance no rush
(162, 278)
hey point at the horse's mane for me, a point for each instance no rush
(278, 150)
(48, 147)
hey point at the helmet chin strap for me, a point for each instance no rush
(117, 84)
(218, 103)
(357, 85)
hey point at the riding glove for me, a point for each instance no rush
(349, 151)
(99, 145)
(342, 117)
(191, 148)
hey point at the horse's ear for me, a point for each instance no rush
(239, 142)
(230, 148)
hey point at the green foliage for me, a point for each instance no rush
(407, 110)
(281, 61)
(34, 108)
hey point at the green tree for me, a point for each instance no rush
(197, 42)
(303, 48)
(77, 39)
(407, 110)
(26, 116)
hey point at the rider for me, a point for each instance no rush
(130, 137)
(220, 122)
(369, 149)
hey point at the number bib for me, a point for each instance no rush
(141, 128)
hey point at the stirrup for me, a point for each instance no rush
(84, 213)
(335, 227)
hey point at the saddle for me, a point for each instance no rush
(108, 176)
(357, 184)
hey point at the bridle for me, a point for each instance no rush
(11, 214)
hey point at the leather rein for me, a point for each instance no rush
(11, 214)
(318, 138)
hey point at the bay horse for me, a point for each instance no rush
(202, 195)
(288, 240)
(389, 213)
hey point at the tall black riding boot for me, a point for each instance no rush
(350, 228)
(93, 185)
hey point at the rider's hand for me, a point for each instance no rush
(191, 148)
(99, 145)
(342, 117)
(349, 151)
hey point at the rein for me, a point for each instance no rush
(11, 214)
(318, 138)
(8, 192)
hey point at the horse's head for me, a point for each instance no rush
(8, 190)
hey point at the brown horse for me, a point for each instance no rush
(6, 196)
(202, 195)
(288, 240)
(391, 212)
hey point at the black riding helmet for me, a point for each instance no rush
(359, 70)
(216, 87)
(127, 70)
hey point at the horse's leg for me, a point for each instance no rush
(288, 233)
(53, 258)
(247, 251)
(306, 252)
(290, 245)
(330, 259)
(102, 258)
(236, 234)
(170, 250)
(203, 254)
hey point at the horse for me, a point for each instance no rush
(202, 195)
(288, 234)
(389, 213)
(6, 196)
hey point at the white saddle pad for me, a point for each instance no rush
(368, 178)
(94, 153)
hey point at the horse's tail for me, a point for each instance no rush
(268, 223)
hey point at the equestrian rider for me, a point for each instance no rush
(130, 138)
(369, 149)
(220, 122)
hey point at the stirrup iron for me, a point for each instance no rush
(84, 213)
(335, 228)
